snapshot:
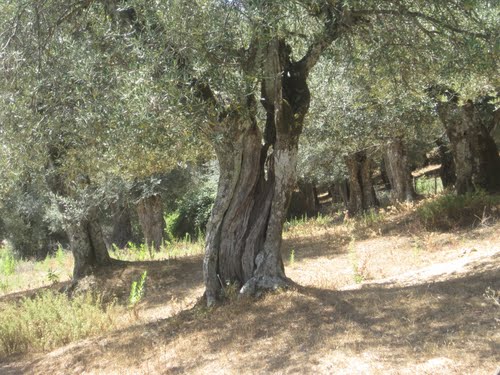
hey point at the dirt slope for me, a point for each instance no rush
(421, 309)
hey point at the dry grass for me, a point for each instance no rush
(420, 309)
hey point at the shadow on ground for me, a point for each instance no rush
(294, 331)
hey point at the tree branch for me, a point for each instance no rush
(419, 15)
(337, 19)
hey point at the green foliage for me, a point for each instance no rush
(193, 210)
(50, 320)
(7, 261)
(140, 252)
(357, 267)
(449, 211)
(370, 217)
(137, 290)
(428, 185)
(52, 276)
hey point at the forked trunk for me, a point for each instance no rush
(398, 172)
(361, 191)
(257, 175)
(474, 151)
(150, 212)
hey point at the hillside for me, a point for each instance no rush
(380, 298)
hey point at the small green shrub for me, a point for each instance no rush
(52, 276)
(51, 320)
(137, 290)
(428, 185)
(449, 211)
(192, 213)
(370, 217)
(7, 262)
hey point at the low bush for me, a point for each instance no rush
(50, 320)
(450, 211)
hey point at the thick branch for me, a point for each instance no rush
(337, 19)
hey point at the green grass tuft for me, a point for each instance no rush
(450, 211)
(50, 320)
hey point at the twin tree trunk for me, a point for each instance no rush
(257, 176)
(474, 151)
(361, 191)
(150, 212)
(87, 244)
(398, 172)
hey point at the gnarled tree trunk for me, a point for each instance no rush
(150, 212)
(87, 244)
(361, 191)
(474, 151)
(257, 175)
(398, 172)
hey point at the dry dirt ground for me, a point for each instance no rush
(423, 303)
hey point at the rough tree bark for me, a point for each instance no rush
(304, 201)
(243, 244)
(87, 244)
(150, 212)
(398, 172)
(447, 171)
(361, 191)
(122, 224)
(474, 151)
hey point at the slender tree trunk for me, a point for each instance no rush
(361, 191)
(398, 172)
(257, 176)
(150, 212)
(122, 224)
(474, 151)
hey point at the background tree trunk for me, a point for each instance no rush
(447, 171)
(361, 191)
(398, 172)
(150, 212)
(88, 246)
(84, 232)
(303, 201)
(474, 151)
(122, 224)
